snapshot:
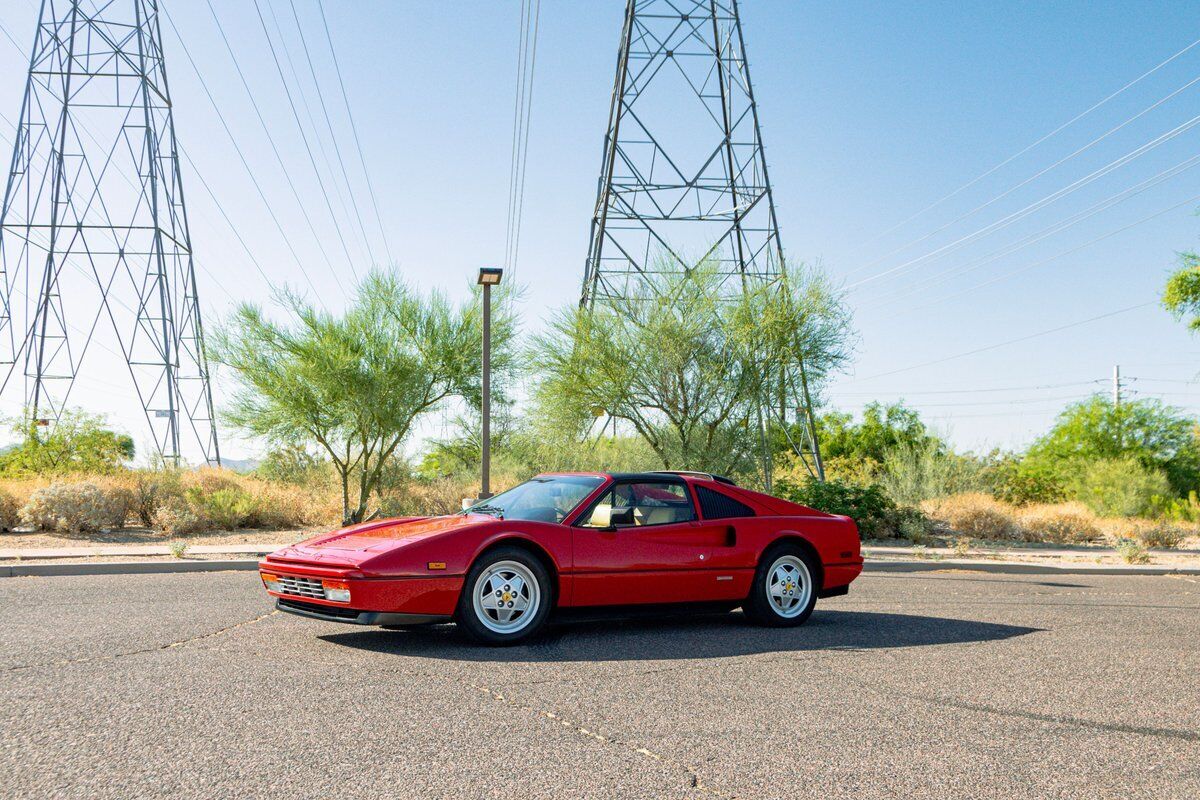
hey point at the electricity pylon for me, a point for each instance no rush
(94, 230)
(684, 180)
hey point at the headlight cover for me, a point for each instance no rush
(336, 591)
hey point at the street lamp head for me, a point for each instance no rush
(490, 276)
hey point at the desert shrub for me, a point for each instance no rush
(1132, 551)
(74, 507)
(177, 517)
(10, 511)
(280, 505)
(908, 522)
(1177, 509)
(178, 549)
(1118, 487)
(1065, 523)
(974, 514)
(868, 506)
(225, 509)
(149, 489)
(913, 473)
(211, 479)
(1148, 532)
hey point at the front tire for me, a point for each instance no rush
(506, 597)
(785, 588)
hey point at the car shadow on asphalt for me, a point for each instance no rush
(686, 637)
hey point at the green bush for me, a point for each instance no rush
(869, 506)
(1119, 487)
(914, 473)
(1132, 551)
(225, 509)
(77, 442)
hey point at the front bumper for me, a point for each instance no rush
(374, 600)
(353, 616)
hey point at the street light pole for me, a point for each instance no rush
(488, 277)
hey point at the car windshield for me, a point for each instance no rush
(546, 498)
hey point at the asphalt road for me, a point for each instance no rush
(943, 685)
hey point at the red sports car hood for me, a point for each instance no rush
(358, 543)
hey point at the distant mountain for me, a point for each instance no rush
(241, 464)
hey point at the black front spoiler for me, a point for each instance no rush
(352, 616)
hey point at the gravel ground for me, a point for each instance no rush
(915, 686)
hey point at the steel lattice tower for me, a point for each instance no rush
(94, 230)
(684, 179)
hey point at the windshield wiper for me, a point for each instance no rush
(486, 508)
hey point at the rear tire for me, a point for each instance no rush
(784, 591)
(506, 597)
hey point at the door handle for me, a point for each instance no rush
(730, 536)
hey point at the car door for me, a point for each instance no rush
(661, 556)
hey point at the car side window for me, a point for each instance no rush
(651, 502)
(714, 505)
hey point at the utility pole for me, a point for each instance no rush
(1116, 385)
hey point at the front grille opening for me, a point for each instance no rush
(301, 587)
(328, 611)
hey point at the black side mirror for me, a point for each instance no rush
(621, 516)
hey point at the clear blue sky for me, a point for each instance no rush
(870, 113)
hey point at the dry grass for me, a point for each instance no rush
(1061, 523)
(977, 515)
(982, 517)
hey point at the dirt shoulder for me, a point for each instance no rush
(18, 540)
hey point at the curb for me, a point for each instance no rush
(125, 568)
(1002, 567)
(1023, 568)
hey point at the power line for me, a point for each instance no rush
(1004, 343)
(1033, 238)
(1025, 150)
(1005, 276)
(354, 129)
(1039, 204)
(522, 114)
(337, 149)
(304, 137)
(320, 146)
(978, 390)
(246, 164)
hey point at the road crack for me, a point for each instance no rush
(144, 650)
(578, 729)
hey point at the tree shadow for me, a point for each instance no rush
(676, 637)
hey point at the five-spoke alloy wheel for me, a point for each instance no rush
(784, 590)
(506, 596)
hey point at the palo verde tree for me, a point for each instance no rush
(354, 385)
(76, 442)
(688, 369)
(1182, 294)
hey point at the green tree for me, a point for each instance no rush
(1182, 294)
(856, 451)
(353, 385)
(1118, 487)
(686, 368)
(76, 442)
(1159, 437)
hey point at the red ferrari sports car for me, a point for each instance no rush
(574, 541)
